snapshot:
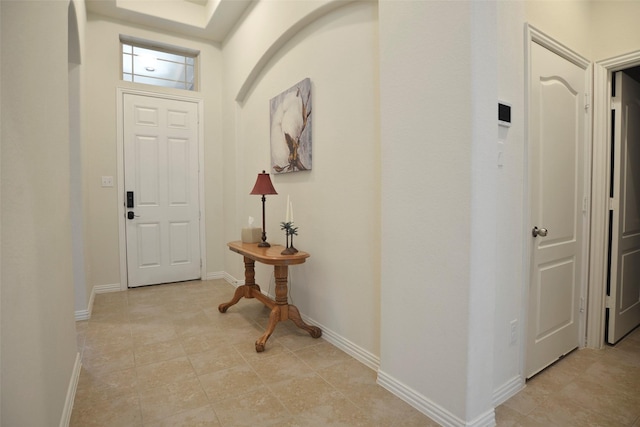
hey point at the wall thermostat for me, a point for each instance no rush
(504, 114)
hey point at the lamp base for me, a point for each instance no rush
(264, 243)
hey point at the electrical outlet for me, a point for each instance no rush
(107, 181)
(514, 331)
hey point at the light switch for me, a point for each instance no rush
(107, 181)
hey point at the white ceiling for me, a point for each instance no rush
(207, 19)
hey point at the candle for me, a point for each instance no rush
(291, 211)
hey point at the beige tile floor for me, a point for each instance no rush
(586, 388)
(164, 356)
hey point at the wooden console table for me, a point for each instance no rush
(281, 310)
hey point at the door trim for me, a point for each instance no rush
(601, 172)
(533, 35)
(120, 93)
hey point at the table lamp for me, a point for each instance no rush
(263, 186)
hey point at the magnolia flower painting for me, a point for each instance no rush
(291, 129)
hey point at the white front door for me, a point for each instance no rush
(161, 187)
(623, 302)
(557, 129)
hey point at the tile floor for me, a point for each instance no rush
(586, 388)
(164, 356)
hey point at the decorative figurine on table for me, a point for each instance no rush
(289, 230)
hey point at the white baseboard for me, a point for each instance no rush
(507, 390)
(86, 314)
(71, 392)
(418, 401)
(432, 409)
(488, 419)
(103, 289)
(82, 315)
(232, 280)
(360, 354)
(215, 275)
(98, 289)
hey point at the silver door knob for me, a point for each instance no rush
(539, 232)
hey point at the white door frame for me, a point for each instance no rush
(600, 192)
(537, 36)
(120, 92)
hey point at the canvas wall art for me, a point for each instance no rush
(290, 114)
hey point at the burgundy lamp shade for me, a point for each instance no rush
(263, 185)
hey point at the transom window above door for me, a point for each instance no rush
(159, 65)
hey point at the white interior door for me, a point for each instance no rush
(161, 179)
(623, 301)
(557, 129)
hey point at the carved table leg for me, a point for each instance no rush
(244, 290)
(281, 273)
(240, 291)
(281, 310)
(274, 318)
(294, 315)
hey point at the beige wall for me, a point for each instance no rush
(103, 79)
(507, 357)
(1, 84)
(336, 204)
(614, 28)
(566, 21)
(597, 30)
(77, 134)
(38, 332)
(438, 95)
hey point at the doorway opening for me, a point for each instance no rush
(622, 300)
(601, 200)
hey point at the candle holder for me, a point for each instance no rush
(290, 230)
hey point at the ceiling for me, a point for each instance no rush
(206, 19)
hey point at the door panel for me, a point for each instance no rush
(557, 159)
(161, 168)
(557, 138)
(624, 300)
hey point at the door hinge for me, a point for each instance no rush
(585, 204)
(607, 301)
(612, 204)
(581, 305)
